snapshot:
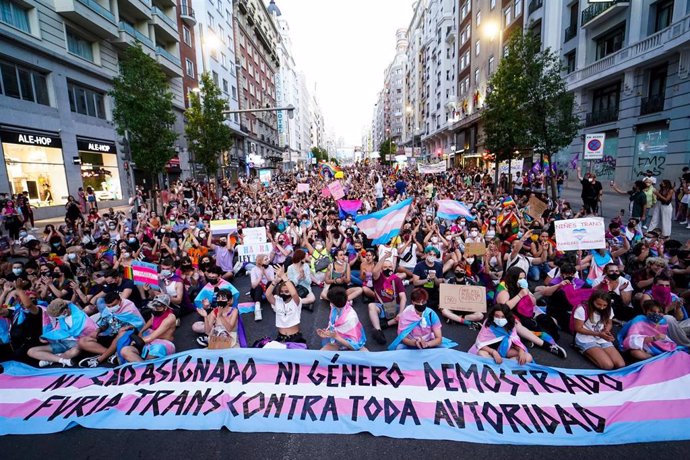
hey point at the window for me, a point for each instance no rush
(234, 93)
(86, 101)
(465, 9)
(225, 86)
(477, 48)
(211, 22)
(14, 15)
(464, 85)
(79, 46)
(23, 83)
(507, 16)
(187, 36)
(465, 60)
(479, 18)
(223, 60)
(518, 8)
(492, 4)
(476, 77)
(657, 81)
(215, 77)
(491, 65)
(610, 42)
(465, 35)
(189, 67)
(606, 99)
(221, 34)
(570, 62)
(664, 14)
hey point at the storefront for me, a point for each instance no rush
(35, 164)
(99, 168)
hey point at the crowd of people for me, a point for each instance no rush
(68, 296)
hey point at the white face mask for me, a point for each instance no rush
(522, 283)
(431, 259)
(318, 246)
(474, 233)
(500, 322)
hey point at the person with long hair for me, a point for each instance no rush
(498, 338)
(592, 324)
(663, 213)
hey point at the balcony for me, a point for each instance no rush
(598, 12)
(534, 5)
(652, 104)
(570, 33)
(602, 116)
(187, 15)
(165, 26)
(666, 40)
(90, 15)
(135, 9)
(171, 64)
(129, 36)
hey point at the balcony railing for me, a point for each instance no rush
(602, 116)
(97, 8)
(166, 19)
(596, 9)
(570, 33)
(167, 55)
(534, 5)
(652, 104)
(132, 31)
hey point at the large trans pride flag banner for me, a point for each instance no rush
(429, 394)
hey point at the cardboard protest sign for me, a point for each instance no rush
(580, 234)
(248, 252)
(325, 193)
(336, 189)
(463, 298)
(223, 227)
(536, 207)
(475, 249)
(254, 235)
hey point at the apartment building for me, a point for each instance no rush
(627, 63)
(256, 47)
(57, 63)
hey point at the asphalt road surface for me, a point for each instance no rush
(104, 444)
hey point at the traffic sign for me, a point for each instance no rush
(594, 146)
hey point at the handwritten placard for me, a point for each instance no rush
(463, 298)
(255, 235)
(580, 234)
(248, 252)
(536, 207)
(475, 249)
(302, 188)
(336, 189)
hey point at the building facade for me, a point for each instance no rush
(256, 48)
(57, 64)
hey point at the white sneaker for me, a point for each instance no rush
(683, 222)
(66, 362)
(89, 362)
(44, 363)
(257, 312)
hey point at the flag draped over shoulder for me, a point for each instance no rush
(451, 210)
(384, 225)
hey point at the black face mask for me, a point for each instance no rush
(222, 303)
(82, 279)
(55, 275)
(388, 272)
(569, 278)
(213, 281)
(285, 297)
(420, 308)
(613, 276)
(157, 312)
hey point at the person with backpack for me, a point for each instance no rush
(591, 323)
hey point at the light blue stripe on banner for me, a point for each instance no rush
(384, 239)
(384, 212)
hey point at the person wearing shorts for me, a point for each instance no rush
(592, 323)
(390, 298)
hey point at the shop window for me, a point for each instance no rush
(38, 170)
(86, 101)
(99, 171)
(23, 83)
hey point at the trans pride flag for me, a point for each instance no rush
(384, 225)
(451, 210)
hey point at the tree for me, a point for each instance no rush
(386, 148)
(143, 111)
(319, 153)
(528, 106)
(207, 134)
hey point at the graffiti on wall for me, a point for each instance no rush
(651, 148)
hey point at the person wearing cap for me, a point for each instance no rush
(68, 325)
(117, 316)
(156, 337)
(428, 274)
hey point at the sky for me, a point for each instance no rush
(344, 47)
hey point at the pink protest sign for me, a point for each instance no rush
(144, 273)
(336, 189)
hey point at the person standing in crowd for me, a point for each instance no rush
(591, 191)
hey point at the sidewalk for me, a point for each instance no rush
(40, 224)
(612, 203)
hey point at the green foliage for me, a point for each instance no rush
(144, 110)
(386, 148)
(207, 134)
(320, 154)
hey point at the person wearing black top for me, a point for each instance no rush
(591, 192)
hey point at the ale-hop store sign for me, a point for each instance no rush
(419, 394)
(95, 146)
(30, 138)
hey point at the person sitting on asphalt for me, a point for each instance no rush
(592, 324)
(287, 306)
(344, 330)
(419, 326)
(156, 337)
(498, 337)
(117, 316)
(299, 273)
(620, 291)
(646, 335)
(222, 320)
(67, 327)
(390, 298)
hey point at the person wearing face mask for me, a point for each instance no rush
(320, 258)
(17, 272)
(428, 274)
(591, 323)
(646, 335)
(261, 275)
(463, 276)
(498, 337)
(287, 306)
(26, 321)
(591, 191)
(172, 285)
(344, 331)
(117, 317)
(661, 291)
(390, 298)
(515, 293)
(299, 274)
(419, 327)
(221, 320)
(619, 289)
(155, 340)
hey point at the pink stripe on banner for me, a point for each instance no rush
(376, 228)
